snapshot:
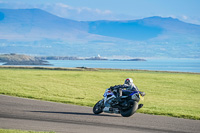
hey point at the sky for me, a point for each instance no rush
(90, 10)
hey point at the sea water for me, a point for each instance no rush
(179, 65)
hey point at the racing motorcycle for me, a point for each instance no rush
(126, 105)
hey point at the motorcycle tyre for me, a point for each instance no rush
(99, 110)
(131, 111)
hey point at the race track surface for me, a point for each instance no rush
(27, 114)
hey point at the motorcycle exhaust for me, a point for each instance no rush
(111, 110)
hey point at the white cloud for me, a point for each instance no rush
(77, 13)
(189, 19)
(64, 6)
(107, 12)
(185, 17)
(103, 12)
(82, 9)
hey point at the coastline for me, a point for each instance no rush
(20, 59)
(168, 65)
(88, 69)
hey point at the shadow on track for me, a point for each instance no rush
(75, 113)
(96, 124)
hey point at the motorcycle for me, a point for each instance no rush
(126, 105)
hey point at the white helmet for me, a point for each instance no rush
(129, 83)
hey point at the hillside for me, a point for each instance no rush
(34, 31)
(34, 24)
(144, 29)
(15, 59)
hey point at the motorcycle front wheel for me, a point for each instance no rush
(98, 107)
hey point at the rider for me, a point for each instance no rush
(129, 85)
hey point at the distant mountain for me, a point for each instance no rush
(34, 31)
(143, 29)
(36, 24)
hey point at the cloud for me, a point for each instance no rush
(189, 19)
(82, 9)
(64, 6)
(78, 13)
(185, 17)
(63, 10)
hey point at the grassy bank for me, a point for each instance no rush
(172, 94)
(19, 131)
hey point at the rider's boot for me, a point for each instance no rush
(140, 106)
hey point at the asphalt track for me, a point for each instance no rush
(27, 114)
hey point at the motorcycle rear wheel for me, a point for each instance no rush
(98, 107)
(130, 111)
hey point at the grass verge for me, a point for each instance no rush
(171, 94)
(19, 131)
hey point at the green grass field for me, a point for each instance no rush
(171, 94)
(19, 131)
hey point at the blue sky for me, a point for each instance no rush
(185, 10)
